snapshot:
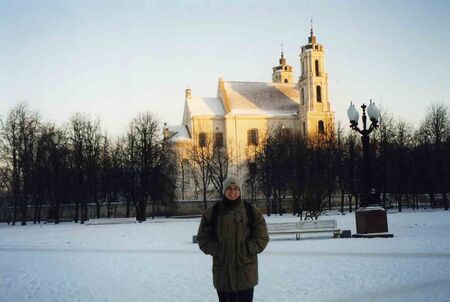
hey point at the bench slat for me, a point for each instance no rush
(303, 227)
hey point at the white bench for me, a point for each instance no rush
(304, 227)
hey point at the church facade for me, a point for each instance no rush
(242, 113)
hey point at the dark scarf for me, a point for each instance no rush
(231, 205)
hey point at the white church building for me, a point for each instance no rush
(242, 113)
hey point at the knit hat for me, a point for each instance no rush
(231, 180)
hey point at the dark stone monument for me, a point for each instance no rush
(371, 222)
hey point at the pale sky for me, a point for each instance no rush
(113, 59)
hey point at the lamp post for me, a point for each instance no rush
(371, 219)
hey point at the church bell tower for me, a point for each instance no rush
(315, 112)
(283, 73)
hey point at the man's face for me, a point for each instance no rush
(232, 192)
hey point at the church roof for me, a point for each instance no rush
(205, 106)
(273, 99)
(178, 133)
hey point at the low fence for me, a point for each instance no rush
(196, 207)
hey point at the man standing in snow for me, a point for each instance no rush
(233, 232)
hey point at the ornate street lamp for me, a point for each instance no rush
(371, 219)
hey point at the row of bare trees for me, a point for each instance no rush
(290, 165)
(406, 163)
(45, 166)
(208, 164)
(414, 161)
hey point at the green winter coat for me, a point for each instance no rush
(234, 248)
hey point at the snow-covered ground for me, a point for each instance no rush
(156, 261)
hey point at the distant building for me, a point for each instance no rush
(242, 113)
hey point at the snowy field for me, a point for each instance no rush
(156, 261)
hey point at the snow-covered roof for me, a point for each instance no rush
(178, 133)
(272, 99)
(205, 106)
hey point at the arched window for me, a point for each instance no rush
(202, 139)
(321, 127)
(319, 94)
(317, 67)
(218, 139)
(304, 128)
(302, 96)
(285, 80)
(252, 137)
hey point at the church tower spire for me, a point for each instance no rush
(312, 38)
(283, 73)
(315, 112)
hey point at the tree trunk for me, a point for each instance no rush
(98, 208)
(77, 208)
(329, 201)
(432, 201)
(444, 195)
(23, 211)
(127, 214)
(153, 210)
(39, 212)
(35, 211)
(56, 211)
(204, 198)
(268, 206)
(350, 198)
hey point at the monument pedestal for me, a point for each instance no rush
(371, 222)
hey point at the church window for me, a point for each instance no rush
(184, 164)
(317, 68)
(302, 96)
(319, 94)
(252, 137)
(202, 139)
(218, 139)
(321, 127)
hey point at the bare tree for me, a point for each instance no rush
(220, 164)
(383, 143)
(155, 160)
(295, 171)
(200, 155)
(93, 139)
(19, 133)
(436, 131)
(61, 176)
(352, 162)
(318, 175)
(339, 152)
(401, 161)
(131, 168)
